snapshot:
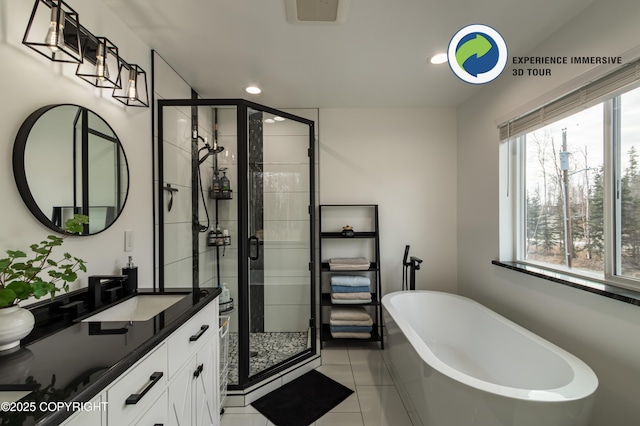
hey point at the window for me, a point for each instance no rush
(577, 179)
(628, 220)
(563, 192)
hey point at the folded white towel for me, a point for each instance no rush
(348, 260)
(350, 267)
(349, 314)
(364, 323)
(350, 335)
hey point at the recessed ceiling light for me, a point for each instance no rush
(254, 90)
(438, 58)
(269, 120)
(278, 118)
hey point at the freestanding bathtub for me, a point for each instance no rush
(457, 363)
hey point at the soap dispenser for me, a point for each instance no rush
(216, 183)
(225, 296)
(130, 285)
(225, 184)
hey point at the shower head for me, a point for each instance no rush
(211, 150)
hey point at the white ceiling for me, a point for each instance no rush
(377, 58)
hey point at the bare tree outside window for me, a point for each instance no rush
(563, 160)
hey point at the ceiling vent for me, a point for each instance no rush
(317, 11)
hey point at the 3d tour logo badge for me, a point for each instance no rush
(477, 54)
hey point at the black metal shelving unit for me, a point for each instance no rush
(374, 307)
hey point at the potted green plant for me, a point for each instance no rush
(35, 274)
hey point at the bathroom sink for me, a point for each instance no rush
(138, 308)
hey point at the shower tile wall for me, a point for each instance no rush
(178, 258)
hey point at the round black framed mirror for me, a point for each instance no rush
(67, 160)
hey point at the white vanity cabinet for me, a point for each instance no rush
(174, 384)
(93, 417)
(193, 387)
(156, 415)
(206, 397)
(137, 388)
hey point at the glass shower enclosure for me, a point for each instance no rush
(235, 204)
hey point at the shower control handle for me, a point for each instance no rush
(257, 256)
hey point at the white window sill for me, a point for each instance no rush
(592, 286)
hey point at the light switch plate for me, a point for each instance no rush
(128, 240)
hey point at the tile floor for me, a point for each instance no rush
(360, 367)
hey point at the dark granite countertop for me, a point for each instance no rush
(591, 285)
(77, 361)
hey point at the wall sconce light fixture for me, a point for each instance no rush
(131, 86)
(101, 61)
(53, 31)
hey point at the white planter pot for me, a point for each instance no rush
(15, 324)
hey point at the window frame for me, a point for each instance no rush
(612, 178)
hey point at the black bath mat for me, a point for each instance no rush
(303, 400)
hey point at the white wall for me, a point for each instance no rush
(30, 81)
(601, 331)
(404, 160)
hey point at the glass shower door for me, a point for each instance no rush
(280, 242)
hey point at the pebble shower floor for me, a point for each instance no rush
(271, 349)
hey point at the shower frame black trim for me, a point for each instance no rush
(246, 381)
(160, 198)
(154, 212)
(243, 249)
(195, 186)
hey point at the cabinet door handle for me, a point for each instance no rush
(198, 370)
(134, 398)
(199, 334)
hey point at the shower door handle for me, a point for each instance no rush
(257, 241)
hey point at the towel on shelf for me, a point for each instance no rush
(354, 267)
(367, 322)
(349, 264)
(350, 289)
(350, 280)
(349, 314)
(349, 301)
(349, 335)
(348, 260)
(351, 329)
(351, 296)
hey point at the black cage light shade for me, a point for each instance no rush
(101, 61)
(131, 87)
(53, 31)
